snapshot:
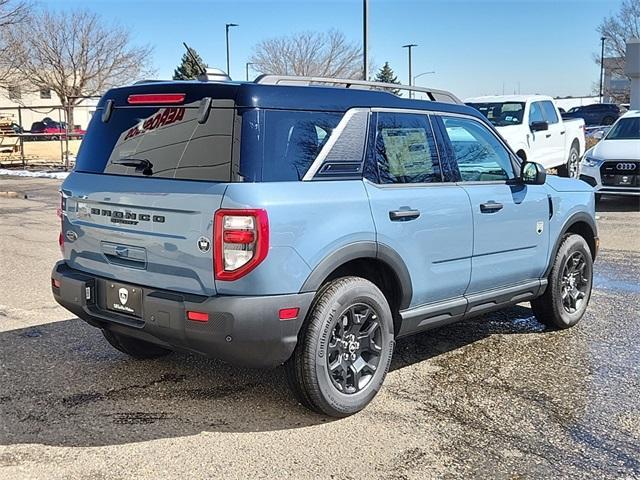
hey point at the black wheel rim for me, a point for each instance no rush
(355, 348)
(573, 165)
(575, 282)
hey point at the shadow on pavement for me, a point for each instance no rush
(62, 384)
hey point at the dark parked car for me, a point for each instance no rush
(595, 114)
(54, 129)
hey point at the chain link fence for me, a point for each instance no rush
(41, 135)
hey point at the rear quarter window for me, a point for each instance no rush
(281, 145)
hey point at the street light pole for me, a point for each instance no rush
(365, 39)
(602, 39)
(226, 31)
(247, 69)
(421, 74)
(409, 47)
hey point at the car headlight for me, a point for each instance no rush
(591, 162)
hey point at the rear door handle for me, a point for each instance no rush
(548, 135)
(563, 132)
(490, 207)
(403, 215)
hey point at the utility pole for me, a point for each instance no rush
(227, 26)
(409, 47)
(365, 39)
(602, 39)
(247, 69)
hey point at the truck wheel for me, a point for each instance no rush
(344, 350)
(134, 347)
(569, 289)
(571, 169)
(608, 120)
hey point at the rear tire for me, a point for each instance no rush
(134, 347)
(571, 169)
(569, 289)
(608, 120)
(344, 349)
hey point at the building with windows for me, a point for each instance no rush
(24, 107)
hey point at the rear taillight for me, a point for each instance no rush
(60, 214)
(241, 242)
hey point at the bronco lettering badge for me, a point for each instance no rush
(127, 217)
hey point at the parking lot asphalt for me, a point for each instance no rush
(497, 396)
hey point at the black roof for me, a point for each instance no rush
(289, 97)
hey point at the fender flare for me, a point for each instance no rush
(354, 251)
(572, 220)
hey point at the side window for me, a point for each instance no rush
(479, 154)
(550, 112)
(535, 113)
(405, 150)
(292, 141)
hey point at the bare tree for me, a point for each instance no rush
(11, 12)
(617, 29)
(327, 54)
(75, 54)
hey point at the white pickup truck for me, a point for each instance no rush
(535, 130)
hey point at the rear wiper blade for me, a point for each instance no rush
(140, 164)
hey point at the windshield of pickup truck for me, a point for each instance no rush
(501, 114)
(625, 129)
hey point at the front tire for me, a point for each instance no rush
(569, 289)
(344, 350)
(571, 169)
(134, 347)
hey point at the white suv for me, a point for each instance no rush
(612, 167)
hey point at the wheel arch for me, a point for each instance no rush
(580, 224)
(376, 262)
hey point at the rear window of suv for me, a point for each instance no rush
(170, 139)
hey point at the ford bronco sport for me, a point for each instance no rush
(301, 222)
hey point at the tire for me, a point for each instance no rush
(564, 301)
(571, 169)
(345, 313)
(608, 120)
(134, 347)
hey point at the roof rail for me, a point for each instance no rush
(432, 93)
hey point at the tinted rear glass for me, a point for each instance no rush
(281, 145)
(170, 139)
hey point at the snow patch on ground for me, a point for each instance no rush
(30, 173)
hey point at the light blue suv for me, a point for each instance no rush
(309, 225)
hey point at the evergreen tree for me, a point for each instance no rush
(386, 75)
(188, 69)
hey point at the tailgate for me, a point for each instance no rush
(151, 232)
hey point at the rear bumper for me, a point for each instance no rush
(241, 330)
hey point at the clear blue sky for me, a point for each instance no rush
(474, 46)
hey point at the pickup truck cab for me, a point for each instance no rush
(309, 225)
(534, 128)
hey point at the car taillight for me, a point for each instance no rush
(60, 214)
(241, 242)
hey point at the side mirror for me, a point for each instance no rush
(533, 173)
(539, 126)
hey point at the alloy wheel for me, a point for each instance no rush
(573, 164)
(354, 349)
(575, 282)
